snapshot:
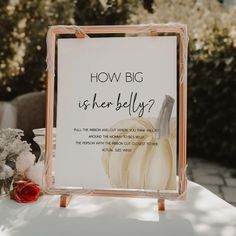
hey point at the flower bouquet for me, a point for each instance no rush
(16, 161)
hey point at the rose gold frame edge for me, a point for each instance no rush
(52, 34)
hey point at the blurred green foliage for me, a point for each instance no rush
(212, 102)
(211, 66)
(101, 13)
(23, 44)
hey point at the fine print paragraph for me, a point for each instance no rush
(114, 139)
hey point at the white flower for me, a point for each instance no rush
(6, 172)
(35, 173)
(24, 161)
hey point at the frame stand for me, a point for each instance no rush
(161, 204)
(66, 198)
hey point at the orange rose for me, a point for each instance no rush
(25, 191)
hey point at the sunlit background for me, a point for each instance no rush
(211, 70)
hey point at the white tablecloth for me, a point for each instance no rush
(203, 213)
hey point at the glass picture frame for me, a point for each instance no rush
(81, 33)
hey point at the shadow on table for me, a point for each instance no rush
(112, 216)
(105, 225)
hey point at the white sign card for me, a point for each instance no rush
(117, 113)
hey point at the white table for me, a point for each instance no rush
(203, 213)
